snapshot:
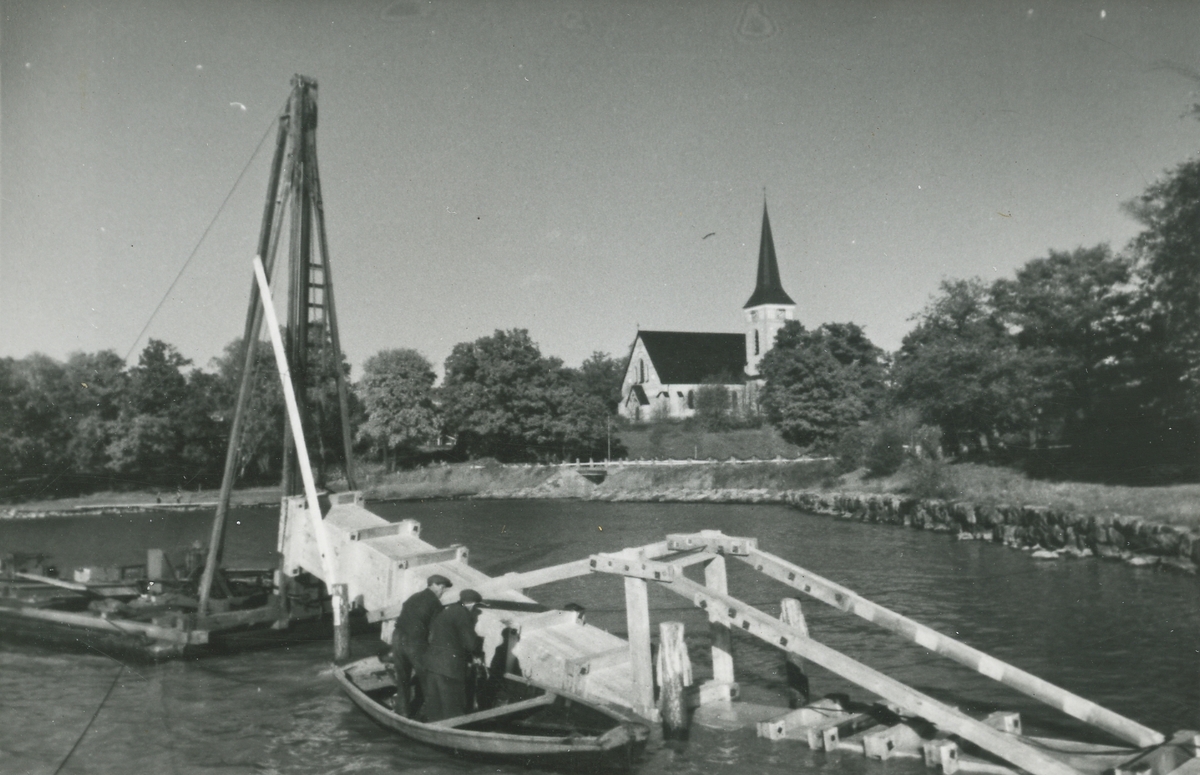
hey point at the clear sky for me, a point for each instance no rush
(556, 165)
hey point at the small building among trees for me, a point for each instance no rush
(669, 370)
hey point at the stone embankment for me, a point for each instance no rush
(1047, 532)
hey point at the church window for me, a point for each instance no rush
(641, 371)
(691, 399)
(756, 341)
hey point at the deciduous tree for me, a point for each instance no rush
(820, 383)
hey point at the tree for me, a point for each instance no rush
(1167, 266)
(820, 383)
(1072, 317)
(503, 399)
(396, 390)
(712, 402)
(601, 376)
(260, 449)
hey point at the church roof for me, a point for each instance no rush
(689, 358)
(768, 290)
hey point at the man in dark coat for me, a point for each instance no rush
(410, 639)
(453, 644)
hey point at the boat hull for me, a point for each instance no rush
(367, 686)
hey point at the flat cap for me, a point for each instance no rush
(470, 596)
(438, 578)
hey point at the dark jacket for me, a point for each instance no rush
(452, 642)
(417, 613)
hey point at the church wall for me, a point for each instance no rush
(675, 403)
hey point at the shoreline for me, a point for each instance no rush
(1048, 531)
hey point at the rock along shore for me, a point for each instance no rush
(1048, 532)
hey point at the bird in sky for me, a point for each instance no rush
(706, 236)
(238, 105)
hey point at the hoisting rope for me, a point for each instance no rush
(207, 229)
(92, 720)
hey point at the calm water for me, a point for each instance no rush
(1123, 637)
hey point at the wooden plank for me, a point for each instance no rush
(536, 578)
(756, 623)
(498, 712)
(840, 597)
(637, 617)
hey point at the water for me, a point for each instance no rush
(1126, 638)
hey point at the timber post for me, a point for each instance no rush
(637, 617)
(722, 642)
(791, 614)
(674, 676)
(341, 623)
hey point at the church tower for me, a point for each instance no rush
(769, 306)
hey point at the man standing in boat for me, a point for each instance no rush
(453, 644)
(410, 639)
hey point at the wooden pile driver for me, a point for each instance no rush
(312, 341)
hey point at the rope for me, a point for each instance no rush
(99, 707)
(207, 229)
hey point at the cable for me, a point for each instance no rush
(196, 249)
(99, 707)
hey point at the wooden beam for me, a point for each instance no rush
(637, 617)
(535, 578)
(621, 565)
(842, 598)
(722, 644)
(381, 531)
(453, 553)
(124, 626)
(499, 712)
(601, 660)
(714, 541)
(756, 623)
(545, 620)
(1164, 759)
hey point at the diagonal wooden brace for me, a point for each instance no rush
(739, 615)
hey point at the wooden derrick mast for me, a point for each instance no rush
(312, 341)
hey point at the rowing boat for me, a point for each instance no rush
(550, 724)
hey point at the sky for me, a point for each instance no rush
(555, 166)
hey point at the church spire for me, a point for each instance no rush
(768, 289)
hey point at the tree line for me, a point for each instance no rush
(1089, 356)
(93, 423)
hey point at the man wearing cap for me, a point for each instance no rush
(452, 645)
(410, 639)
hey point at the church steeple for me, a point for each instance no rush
(769, 307)
(768, 289)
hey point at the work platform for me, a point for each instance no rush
(382, 563)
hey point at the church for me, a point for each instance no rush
(666, 368)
